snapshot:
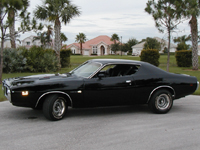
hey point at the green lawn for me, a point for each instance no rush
(77, 60)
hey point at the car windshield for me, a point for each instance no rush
(86, 69)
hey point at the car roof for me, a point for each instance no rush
(146, 67)
(107, 61)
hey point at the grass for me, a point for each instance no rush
(77, 60)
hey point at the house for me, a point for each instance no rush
(136, 49)
(28, 42)
(100, 45)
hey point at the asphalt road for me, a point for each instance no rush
(116, 128)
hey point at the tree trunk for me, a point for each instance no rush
(81, 48)
(194, 33)
(11, 14)
(168, 53)
(1, 58)
(57, 42)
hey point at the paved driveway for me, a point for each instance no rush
(116, 128)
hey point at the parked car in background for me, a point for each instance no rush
(97, 83)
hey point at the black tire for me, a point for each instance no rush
(54, 107)
(161, 102)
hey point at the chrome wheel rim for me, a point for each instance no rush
(163, 101)
(58, 108)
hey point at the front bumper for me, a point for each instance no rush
(7, 92)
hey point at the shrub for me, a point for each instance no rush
(41, 60)
(184, 58)
(13, 60)
(65, 57)
(151, 56)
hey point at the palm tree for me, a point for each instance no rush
(182, 42)
(182, 39)
(115, 46)
(115, 38)
(63, 37)
(191, 9)
(49, 34)
(57, 11)
(42, 37)
(12, 7)
(81, 38)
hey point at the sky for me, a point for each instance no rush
(126, 18)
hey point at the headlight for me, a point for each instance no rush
(25, 93)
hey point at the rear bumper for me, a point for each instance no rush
(197, 85)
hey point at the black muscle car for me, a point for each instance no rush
(100, 82)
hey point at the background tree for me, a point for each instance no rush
(4, 24)
(115, 47)
(13, 6)
(81, 38)
(191, 9)
(143, 40)
(63, 37)
(182, 39)
(49, 35)
(115, 38)
(182, 42)
(131, 42)
(152, 43)
(166, 18)
(125, 47)
(42, 36)
(57, 11)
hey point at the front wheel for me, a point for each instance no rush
(161, 102)
(54, 107)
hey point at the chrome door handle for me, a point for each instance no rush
(128, 81)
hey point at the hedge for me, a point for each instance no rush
(36, 59)
(65, 57)
(13, 61)
(184, 58)
(151, 56)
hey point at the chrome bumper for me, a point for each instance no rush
(7, 92)
(197, 85)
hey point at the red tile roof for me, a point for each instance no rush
(100, 39)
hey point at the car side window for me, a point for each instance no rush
(119, 70)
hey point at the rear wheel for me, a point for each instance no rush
(54, 107)
(161, 102)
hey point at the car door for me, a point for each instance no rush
(108, 91)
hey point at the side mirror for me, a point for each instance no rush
(101, 75)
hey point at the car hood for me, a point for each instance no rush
(34, 79)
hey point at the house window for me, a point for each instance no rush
(28, 43)
(94, 49)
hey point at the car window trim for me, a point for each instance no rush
(101, 67)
